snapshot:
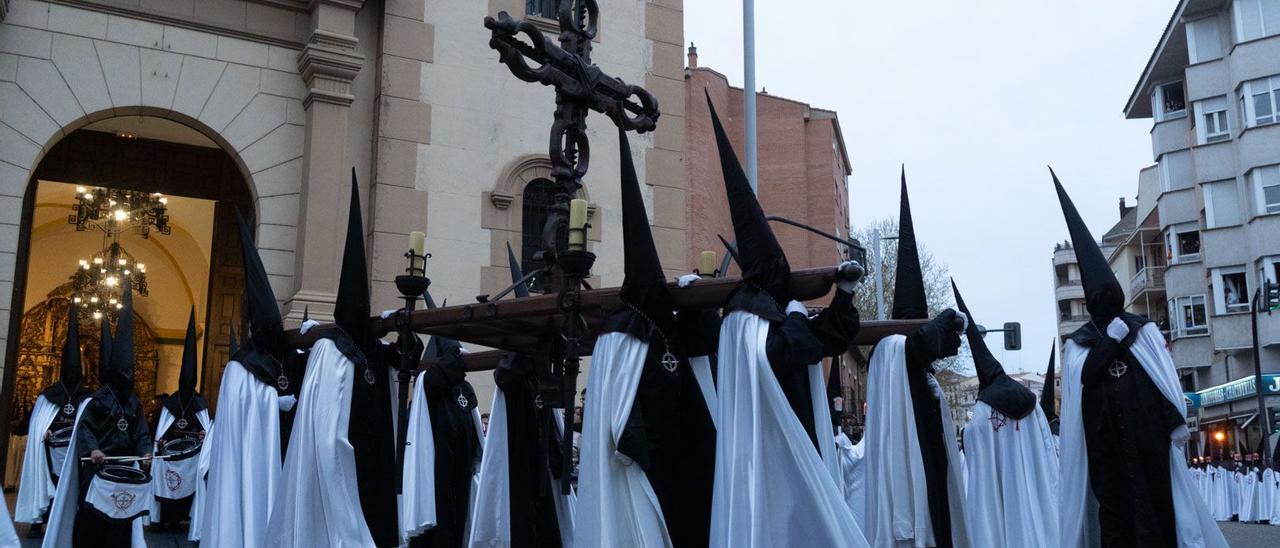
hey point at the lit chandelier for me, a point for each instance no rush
(114, 211)
(98, 281)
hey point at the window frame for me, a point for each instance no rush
(1218, 277)
(1237, 19)
(1248, 105)
(1203, 116)
(1157, 102)
(1172, 243)
(1260, 204)
(1193, 42)
(1211, 198)
(1177, 329)
(1269, 269)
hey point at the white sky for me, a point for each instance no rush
(976, 98)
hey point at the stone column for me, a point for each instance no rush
(328, 64)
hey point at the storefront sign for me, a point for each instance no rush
(1235, 390)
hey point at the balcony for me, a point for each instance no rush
(1068, 290)
(1148, 279)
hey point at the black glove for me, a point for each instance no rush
(940, 338)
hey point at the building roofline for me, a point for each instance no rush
(1155, 55)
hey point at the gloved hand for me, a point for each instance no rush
(687, 280)
(306, 326)
(940, 338)
(1117, 329)
(797, 306)
(286, 403)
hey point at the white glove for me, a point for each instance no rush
(462, 351)
(1117, 329)
(797, 306)
(687, 280)
(387, 313)
(286, 403)
(963, 318)
(846, 286)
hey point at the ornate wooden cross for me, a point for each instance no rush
(581, 87)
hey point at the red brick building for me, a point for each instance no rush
(803, 168)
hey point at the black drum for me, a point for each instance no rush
(120, 492)
(55, 450)
(181, 448)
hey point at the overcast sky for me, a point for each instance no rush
(976, 98)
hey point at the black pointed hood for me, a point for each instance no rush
(351, 311)
(104, 350)
(909, 301)
(1048, 400)
(188, 376)
(644, 286)
(264, 344)
(522, 289)
(995, 388)
(1104, 297)
(120, 374)
(763, 262)
(71, 374)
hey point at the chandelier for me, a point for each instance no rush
(99, 280)
(114, 211)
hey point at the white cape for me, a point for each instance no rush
(701, 366)
(1079, 509)
(319, 502)
(244, 462)
(1249, 497)
(619, 507)
(897, 502)
(771, 488)
(1273, 491)
(62, 515)
(853, 472)
(35, 488)
(162, 427)
(1012, 498)
(8, 536)
(822, 424)
(417, 504)
(1221, 490)
(491, 522)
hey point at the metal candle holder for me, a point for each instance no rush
(412, 284)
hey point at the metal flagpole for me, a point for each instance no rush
(749, 86)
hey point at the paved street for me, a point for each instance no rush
(1251, 536)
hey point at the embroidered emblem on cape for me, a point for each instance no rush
(368, 376)
(182, 424)
(283, 382)
(669, 362)
(462, 401)
(537, 401)
(1118, 369)
(173, 480)
(68, 409)
(123, 499)
(998, 421)
(123, 425)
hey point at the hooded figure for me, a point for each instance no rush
(519, 501)
(55, 409)
(446, 418)
(771, 482)
(338, 481)
(647, 462)
(1012, 495)
(1123, 426)
(110, 423)
(104, 350)
(183, 414)
(244, 451)
(1048, 400)
(915, 484)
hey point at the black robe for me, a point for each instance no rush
(533, 458)
(933, 448)
(452, 401)
(173, 511)
(371, 431)
(1127, 425)
(98, 429)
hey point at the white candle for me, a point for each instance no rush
(707, 263)
(418, 245)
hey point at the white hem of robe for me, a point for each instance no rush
(35, 488)
(8, 535)
(823, 429)
(417, 504)
(62, 515)
(771, 488)
(244, 462)
(1080, 527)
(319, 502)
(853, 473)
(1012, 497)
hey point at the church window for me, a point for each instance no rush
(539, 196)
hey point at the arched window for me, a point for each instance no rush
(539, 196)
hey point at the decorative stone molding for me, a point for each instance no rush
(328, 70)
(501, 200)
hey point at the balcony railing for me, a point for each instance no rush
(1073, 317)
(1148, 278)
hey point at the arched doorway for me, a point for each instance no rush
(197, 265)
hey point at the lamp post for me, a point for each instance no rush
(412, 284)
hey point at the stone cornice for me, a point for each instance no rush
(328, 72)
(350, 4)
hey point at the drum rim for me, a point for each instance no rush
(184, 454)
(53, 442)
(142, 479)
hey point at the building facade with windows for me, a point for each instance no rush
(1212, 91)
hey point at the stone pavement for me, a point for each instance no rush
(1241, 535)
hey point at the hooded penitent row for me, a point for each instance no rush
(701, 426)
